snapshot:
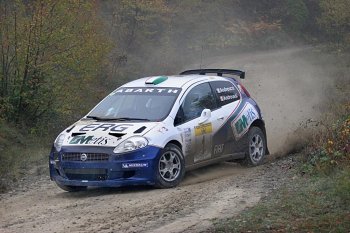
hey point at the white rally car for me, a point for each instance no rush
(151, 130)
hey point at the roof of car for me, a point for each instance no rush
(169, 81)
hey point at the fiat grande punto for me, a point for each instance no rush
(152, 130)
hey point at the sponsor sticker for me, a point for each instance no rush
(245, 118)
(186, 138)
(203, 129)
(227, 93)
(147, 90)
(228, 97)
(105, 127)
(218, 149)
(224, 89)
(89, 140)
(134, 165)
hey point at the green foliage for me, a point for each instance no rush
(342, 187)
(331, 149)
(304, 205)
(335, 21)
(49, 49)
(136, 28)
(335, 17)
(19, 155)
(19, 160)
(297, 15)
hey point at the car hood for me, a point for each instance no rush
(92, 133)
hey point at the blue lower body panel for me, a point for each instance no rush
(99, 166)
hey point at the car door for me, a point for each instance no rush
(228, 100)
(197, 126)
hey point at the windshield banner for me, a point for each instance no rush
(147, 91)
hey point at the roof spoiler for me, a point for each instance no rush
(219, 72)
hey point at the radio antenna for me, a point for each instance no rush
(200, 66)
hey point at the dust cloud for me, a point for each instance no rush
(290, 85)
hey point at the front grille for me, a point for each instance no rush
(84, 157)
(86, 174)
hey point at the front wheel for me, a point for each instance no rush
(170, 167)
(69, 188)
(255, 147)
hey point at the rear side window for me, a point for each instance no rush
(225, 92)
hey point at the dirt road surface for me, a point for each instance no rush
(213, 192)
(284, 82)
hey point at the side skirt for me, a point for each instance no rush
(216, 160)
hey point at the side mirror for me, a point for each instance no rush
(206, 114)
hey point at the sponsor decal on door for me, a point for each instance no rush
(242, 122)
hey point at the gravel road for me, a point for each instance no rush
(213, 192)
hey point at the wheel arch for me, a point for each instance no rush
(261, 124)
(175, 142)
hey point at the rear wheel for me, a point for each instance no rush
(255, 147)
(170, 167)
(69, 188)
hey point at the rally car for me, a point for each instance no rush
(151, 130)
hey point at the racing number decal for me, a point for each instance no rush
(203, 129)
(203, 141)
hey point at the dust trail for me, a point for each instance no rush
(290, 86)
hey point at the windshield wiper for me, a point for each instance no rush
(101, 118)
(131, 119)
(117, 119)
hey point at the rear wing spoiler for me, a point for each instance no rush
(219, 72)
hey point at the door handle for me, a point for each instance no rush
(221, 118)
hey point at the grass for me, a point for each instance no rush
(319, 204)
(19, 155)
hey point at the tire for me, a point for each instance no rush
(255, 151)
(69, 188)
(170, 167)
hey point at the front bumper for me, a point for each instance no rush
(110, 170)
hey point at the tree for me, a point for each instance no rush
(48, 50)
(297, 15)
(335, 21)
(136, 27)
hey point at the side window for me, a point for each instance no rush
(225, 92)
(199, 98)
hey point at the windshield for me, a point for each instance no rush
(137, 103)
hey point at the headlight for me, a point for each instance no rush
(130, 144)
(59, 141)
